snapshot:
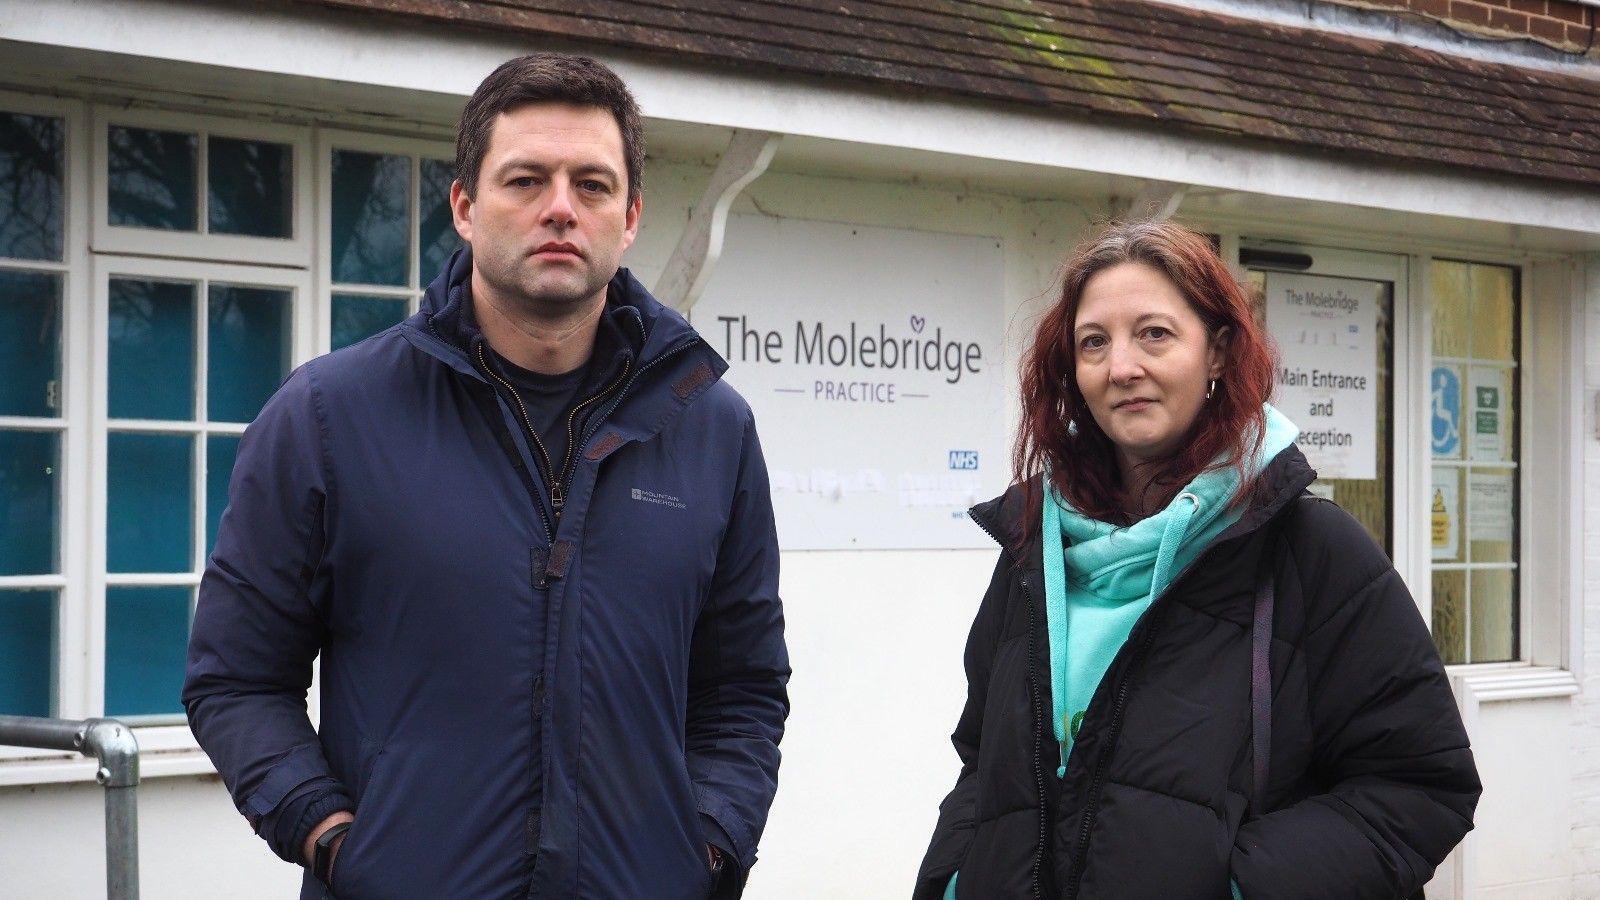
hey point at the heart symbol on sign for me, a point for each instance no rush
(917, 322)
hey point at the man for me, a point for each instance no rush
(529, 532)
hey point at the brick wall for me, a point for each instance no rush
(1562, 24)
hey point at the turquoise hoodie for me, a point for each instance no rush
(1106, 576)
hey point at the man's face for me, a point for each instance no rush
(552, 217)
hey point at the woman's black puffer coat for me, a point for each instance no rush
(1372, 782)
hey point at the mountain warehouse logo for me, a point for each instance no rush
(815, 344)
(656, 498)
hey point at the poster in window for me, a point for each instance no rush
(1444, 407)
(1445, 515)
(1327, 383)
(1487, 419)
(1489, 506)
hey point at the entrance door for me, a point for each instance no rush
(1332, 314)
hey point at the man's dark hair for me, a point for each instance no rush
(547, 78)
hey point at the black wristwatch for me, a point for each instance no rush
(322, 856)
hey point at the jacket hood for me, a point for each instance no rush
(1282, 479)
(648, 327)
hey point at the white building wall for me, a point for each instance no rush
(1585, 734)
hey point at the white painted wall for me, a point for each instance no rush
(1585, 732)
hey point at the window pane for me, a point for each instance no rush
(1491, 504)
(152, 179)
(221, 451)
(30, 344)
(1451, 292)
(1489, 413)
(149, 502)
(30, 490)
(147, 643)
(1444, 516)
(436, 234)
(1450, 615)
(1493, 312)
(27, 652)
(371, 194)
(1493, 615)
(247, 350)
(356, 317)
(31, 153)
(152, 349)
(249, 187)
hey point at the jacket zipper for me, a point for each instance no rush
(522, 410)
(1038, 714)
(1091, 805)
(559, 492)
(558, 479)
(622, 394)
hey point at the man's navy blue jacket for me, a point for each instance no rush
(386, 512)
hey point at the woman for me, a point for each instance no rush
(1170, 598)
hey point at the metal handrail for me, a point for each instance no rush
(113, 744)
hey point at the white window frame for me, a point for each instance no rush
(203, 274)
(70, 582)
(1551, 417)
(327, 141)
(107, 238)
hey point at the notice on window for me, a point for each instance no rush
(872, 360)
(1445, 412)
(1487, 418)
(1445, 518)
(1327, 381)
(1489, 515)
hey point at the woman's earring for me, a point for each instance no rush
(1211, 388)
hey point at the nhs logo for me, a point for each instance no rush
(964, 460)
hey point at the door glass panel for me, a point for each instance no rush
(221, 451)
(250, 187)
(1473, 412)
(357, 317)
(149, 502)
(30, 490)
(1492, 616)
(27, 652)
(1450, 614)
(152, 327)
(147, 639)
(153, 178)
(371, 241)
(436, 233)
(1335, 383)
(248, 349)
(30, 344)
(32, 150)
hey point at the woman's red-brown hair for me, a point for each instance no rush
(1081, 460)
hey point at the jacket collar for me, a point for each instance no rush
(1283, 479)
(444, 326)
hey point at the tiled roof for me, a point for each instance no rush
(1126, 60)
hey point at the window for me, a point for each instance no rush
(226, 189)
(33, 423)
(1473, 427)
(389, 230)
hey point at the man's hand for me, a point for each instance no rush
(309, 851)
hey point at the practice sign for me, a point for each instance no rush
(1327, 380)
(871, 357)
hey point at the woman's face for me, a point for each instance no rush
(1144, 359)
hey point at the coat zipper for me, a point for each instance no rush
(558, 479)
(1038, 713)
(1091, 805)
(522, 410)
(622, 394)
